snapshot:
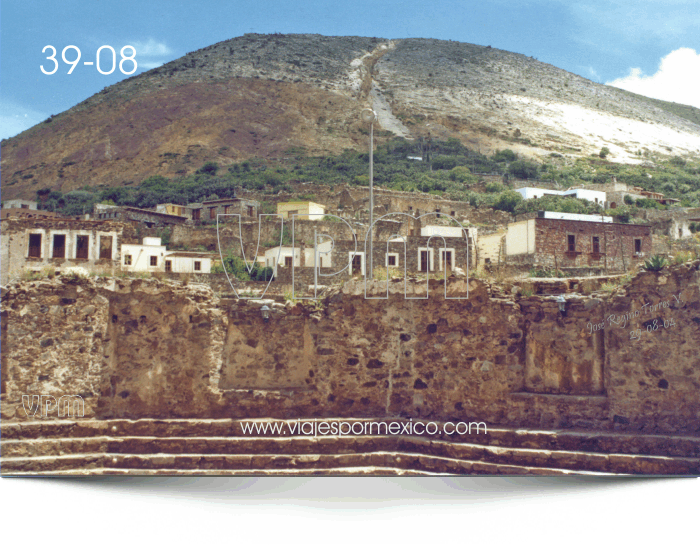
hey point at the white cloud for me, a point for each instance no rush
(676, 80)
(151, 48)
(15, 118)
(151, 54)
(149, 65)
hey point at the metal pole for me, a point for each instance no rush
(371, 197)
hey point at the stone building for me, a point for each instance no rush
(28, 213)
(673, 223)
(191, 211)
(150, 218)
(208, 211)
(576, 241)
(19, 204)
(33, 244)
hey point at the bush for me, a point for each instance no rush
(604, 152)
(504, 155)
(646, 203)
(523, 169)
(508, 200)
(208, 168)
(621, 214)
(682, 257)
(628, 200)
(494, 187)
(463, 175)
(546, 273)
(444, 162)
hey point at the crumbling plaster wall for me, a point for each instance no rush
(145, 348)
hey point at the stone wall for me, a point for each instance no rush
(617, 247)
(14, 245)
(147, 348)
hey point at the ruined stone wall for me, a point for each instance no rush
(14, 244)
(144, 348)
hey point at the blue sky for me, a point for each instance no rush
(650, 47)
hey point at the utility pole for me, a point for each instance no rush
(369, 116)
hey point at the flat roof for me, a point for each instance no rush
(588, 221)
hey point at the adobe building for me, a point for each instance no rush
(576, 241)
(33, 244)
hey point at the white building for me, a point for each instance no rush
(285, 256)
(580, 193)
(178, 261)
(153, 256)
(572, 216)
(145, 257)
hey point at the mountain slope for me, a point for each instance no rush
(259, 95)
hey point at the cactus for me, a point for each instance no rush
(657, 263)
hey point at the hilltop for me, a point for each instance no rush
(260, 96)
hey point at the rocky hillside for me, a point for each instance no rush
(262, 95)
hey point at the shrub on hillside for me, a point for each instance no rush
(508, 201)
(523, 169)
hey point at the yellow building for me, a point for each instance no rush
(169, 208)
(304, 210)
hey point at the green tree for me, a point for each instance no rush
(508, 200)
(523, 169)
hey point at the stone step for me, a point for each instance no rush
(557, 440)
(301, 447)
(89, 464)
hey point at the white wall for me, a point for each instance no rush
(520, 238)
(185, 264)
(591, 195)
(444, 231)
(579, 217)
(141, 257)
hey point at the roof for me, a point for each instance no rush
(229, 200)
(187, 254)
(301, 203)
(590, 222)
(148, 211)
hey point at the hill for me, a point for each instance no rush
(260, 96)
